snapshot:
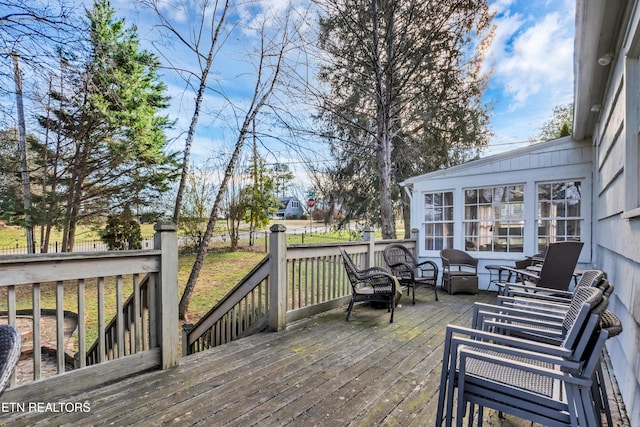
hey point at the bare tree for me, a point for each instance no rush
(203, 36)
(198, 197)
(557, 126)
(29, 33)
(277, 36)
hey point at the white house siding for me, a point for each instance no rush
(558, 160)
(616, 220)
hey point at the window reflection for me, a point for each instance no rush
(494, 218)
(559, 212)
(438, 220)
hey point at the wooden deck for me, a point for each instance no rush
(320, 371)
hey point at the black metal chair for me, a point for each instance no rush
(557, 268)
(10, 347)
(409, 271)
(371, 284)
(527, 377)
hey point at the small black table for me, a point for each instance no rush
(496, 270)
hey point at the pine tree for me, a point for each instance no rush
(404, 98)
(110, 122)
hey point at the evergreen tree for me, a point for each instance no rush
(122, 231)
(261, 203)
(404, 95)
(114, 142)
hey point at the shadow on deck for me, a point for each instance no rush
(320, 371)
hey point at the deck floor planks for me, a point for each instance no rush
(387, 370)
(415, 359)
(331, 374)
(241, 373)
(320, 371)
(239, 404)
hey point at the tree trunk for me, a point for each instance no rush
(196, 112)
(384, 87)
(262, 92)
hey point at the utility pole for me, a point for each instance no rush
(22, 144)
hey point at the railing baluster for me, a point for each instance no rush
(137, 330)
(322, 292)
(153, 310)
(37, 341)
(119, 317)
(102, 349)
(82, 349)
(11, 313)
(306, 281)
(60, 326)
(144, 329)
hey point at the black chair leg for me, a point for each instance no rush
(349, 309)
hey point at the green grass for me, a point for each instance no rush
(12, 236)
(221, 271)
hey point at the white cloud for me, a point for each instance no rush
(533, 54)
(532, 63)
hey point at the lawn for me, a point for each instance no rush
(221, 271)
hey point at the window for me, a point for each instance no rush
(295, 204)
(559, 212)
(438, 220)
(632, 131)
(494, 219)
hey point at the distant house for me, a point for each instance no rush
(584, 187)
(290, 208)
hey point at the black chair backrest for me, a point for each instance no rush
(397, 253)
(10, 346)
(350, 267)
(559, 264)
(398, 256)
(582, 317)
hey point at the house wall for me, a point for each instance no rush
(558, 160)
(617, 208)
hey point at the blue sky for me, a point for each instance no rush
(532, 62)
(531, 59)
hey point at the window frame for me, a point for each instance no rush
(494, 219)
(632, 134)
(447, 240)
(539, 218)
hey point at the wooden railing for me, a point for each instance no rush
(291, 283)
(88, 284)
(131, 327)
(242, 312)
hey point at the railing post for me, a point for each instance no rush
(186, 328)
(278, 278)
(166, 240)
(368, 236)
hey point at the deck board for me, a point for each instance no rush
(319, 371)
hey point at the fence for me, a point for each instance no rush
(291, 283)
(301, 235)
(88, 245)
(94, 286)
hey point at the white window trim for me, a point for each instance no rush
(583, 208)
(632, 130)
